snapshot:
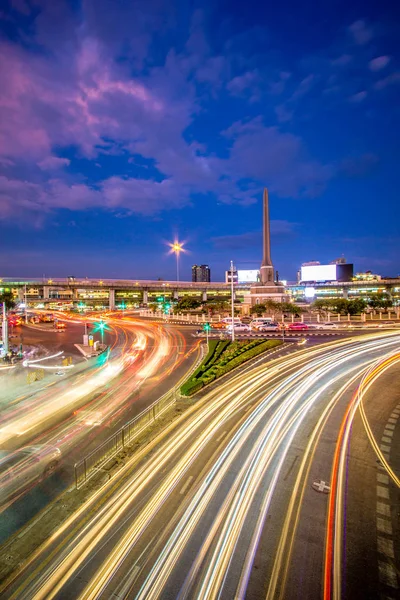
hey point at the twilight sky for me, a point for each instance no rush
(125, 123)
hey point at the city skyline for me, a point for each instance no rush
(129, 126)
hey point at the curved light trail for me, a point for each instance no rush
(205, 545)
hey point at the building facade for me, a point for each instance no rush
(201, 274)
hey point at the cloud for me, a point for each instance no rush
(359, 166)
(361, 33)
(359, 97)
(241, 83)
(283, 114)
(342, 60)
(275, 158)
(51, 163)
(252, 239)
(378, 63)
(389, 80)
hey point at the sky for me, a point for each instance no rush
(127, 124)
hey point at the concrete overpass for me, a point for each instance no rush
(113, 292)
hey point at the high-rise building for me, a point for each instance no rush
(201, 273)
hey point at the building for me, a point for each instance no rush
(201, 273)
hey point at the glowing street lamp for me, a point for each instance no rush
(177, 248)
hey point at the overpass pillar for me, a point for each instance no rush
(21, 295)
(111, 299)
(46, 292)
(145, 296)
(176, 295)
(345, 293)
(205, 296)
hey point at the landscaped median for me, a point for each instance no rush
(222, 357)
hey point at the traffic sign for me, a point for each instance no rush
(321, 486)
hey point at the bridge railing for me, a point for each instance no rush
(91, 464)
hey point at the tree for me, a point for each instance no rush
(8, 298)
(380, 301)
(186, 304)
(258, 309)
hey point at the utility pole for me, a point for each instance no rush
(5, 329)
(232, 304)
(26, 308)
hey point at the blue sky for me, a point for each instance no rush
(127, 124)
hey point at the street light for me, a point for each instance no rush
(177, 248)
(232, 304)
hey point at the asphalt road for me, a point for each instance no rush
(223, 503)
(78, 411)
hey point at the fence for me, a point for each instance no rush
(93, 462)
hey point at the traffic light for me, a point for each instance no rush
(167, 308)
(207, 327)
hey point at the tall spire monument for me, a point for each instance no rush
(267, 268)
(268, 288)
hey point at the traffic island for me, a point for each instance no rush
(223, 356)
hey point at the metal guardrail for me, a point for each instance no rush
(86, 468)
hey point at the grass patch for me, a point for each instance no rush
(224, 356)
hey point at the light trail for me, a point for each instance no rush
(335, 519)
(282, 394)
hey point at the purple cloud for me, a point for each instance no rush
(51, 163)
(389, 80)
(359, 97)
(378, 63)
(360, 32)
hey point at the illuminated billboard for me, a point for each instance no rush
(248, 276)
(319, 273)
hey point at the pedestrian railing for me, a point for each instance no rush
(91, 464)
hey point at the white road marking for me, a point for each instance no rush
(388, 433)
(385, 547)
(383, 509)
(389, 426)
(391, 420)
(382, 478)
(384, 526)
(382, 492)
(385, 448)
(386, 440)
(183, 490)
(387, 574)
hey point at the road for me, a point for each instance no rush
(229, 500)
(79, 410)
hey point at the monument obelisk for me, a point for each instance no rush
(268, 288)
(267, 268)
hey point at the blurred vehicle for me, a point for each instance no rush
(239, 327)
(60, 326)
(269, 327)
(22, 468)
(260, 321)
(247, 320)
(59, 373)
(48, 318)
(297, 327)
(326, 326)
(89, 417)
(14, 321)
(218, 325)
(228, 320)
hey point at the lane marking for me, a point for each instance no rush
(221, 436)
(385, 448)
(391, 420)
(382, 492)
(388, 432)
(386, 440)
(383, 478)
(389, 426)
(384, 526)
(383, 509)
(385, 547)
(183, 490)
(387, 574)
